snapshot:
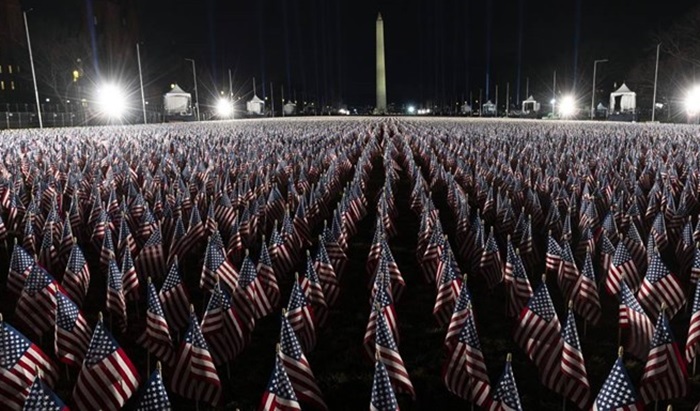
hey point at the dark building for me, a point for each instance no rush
(14, 87)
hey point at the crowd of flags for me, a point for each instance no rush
(109, 218)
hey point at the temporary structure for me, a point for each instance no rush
(466, 109)
(623, 100)
(289, 109)
(177, 102)
(530, 105)
(256, 106)
(489, 109)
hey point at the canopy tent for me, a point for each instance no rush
(530, 105)
(256, 106)
(177, 102)
(623, 100)
(489, 109)
(289, 109)
(466, 109)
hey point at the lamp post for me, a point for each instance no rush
(31, 62)
(196, 94)
(656, 78)
(143, 98)
(595, 67)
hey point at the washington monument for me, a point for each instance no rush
(381, 69)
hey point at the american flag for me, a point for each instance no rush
(267, 276)
(156, 339)
(130, 280)
(47, 252)
(553, 255)
(505, 395)
(518, 287)
(326, 273)
(695, 267)
(76, 279)
(154, 396)
(195, 375)
(217, 266)
(568, 274)
(72, 334)
(222, 327)
(375, 249)
(176, 236)
(459, 315)
(301, 316)
(664, 376)
(464, 371)
(633, 317)
(115, 303)
(490, 265)
(29, 240)
(636, 248)
(251, 286)
(617, 392)
(387, 351)
(585, 293)
(151, 260)
(311, 285)
(575, 386)
(36, 306)
(335, 252)
(382, 302)
(431, 257)
(661, 286)
(658, 231)
(125, 240)
(42, 398)
(449, 283)
(107, 251)
(692, 345)
(383, 397)
(21, 264)
(538, 333)
(174, 298)
(607, 251)
(20, 363)
(108, 378)
(622, 267)
(195, 233)
(298, 368)
(279, 394)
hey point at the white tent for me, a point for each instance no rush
(289, 109)
(623, 100)
(530, 105)
(177, 102)
(466, 109)
(489, 109)
(256, 106)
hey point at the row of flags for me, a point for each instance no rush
(137, 212)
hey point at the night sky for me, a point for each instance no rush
(436, 50)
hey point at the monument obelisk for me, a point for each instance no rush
(381, 68)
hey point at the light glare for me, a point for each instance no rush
(692, 101)
(224, 107)
(111, 101)
(567, 107)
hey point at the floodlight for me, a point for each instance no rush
(411, 110)
(224, 107)
(567, 107)
(692, 101)
(111, 100)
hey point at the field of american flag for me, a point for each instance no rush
(348, 264)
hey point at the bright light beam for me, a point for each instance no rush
(111, 101)
(224, 108)
(567, 106)
(692, 101)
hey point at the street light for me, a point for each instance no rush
(595, 66)
(692, 101)
(31, 62)
(196, 95)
